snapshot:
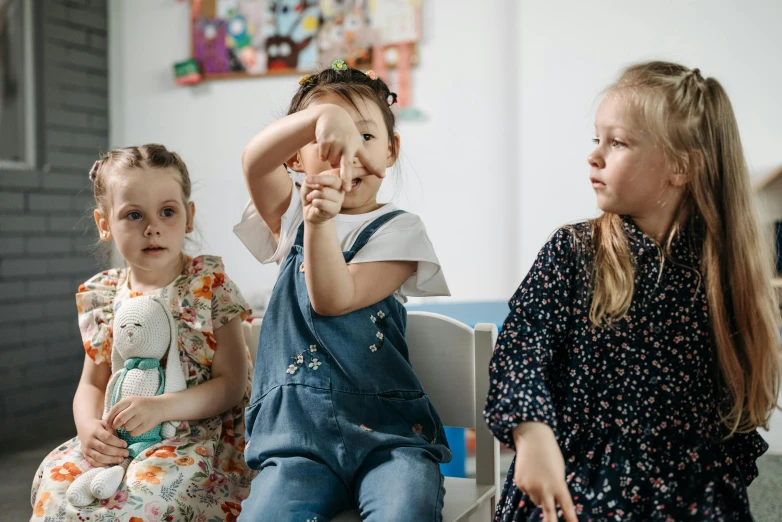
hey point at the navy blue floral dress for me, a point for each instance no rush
(634, 408)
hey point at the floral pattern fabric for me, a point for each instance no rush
(198, 476)
(634, 407)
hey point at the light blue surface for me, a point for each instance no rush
(470, 313)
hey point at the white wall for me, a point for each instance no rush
(571, 50)
(457, 165)
(510, 94)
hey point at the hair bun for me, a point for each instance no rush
(94, 171)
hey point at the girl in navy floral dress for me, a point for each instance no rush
(641, 351)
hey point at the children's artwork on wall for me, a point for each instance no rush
(241, 38)
(235, 38)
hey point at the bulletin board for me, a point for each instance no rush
(246, 38)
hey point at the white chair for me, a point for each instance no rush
(452, 362)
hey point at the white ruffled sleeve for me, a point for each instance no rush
(256, 235)
(404, 238)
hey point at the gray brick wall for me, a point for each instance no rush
(46, 227)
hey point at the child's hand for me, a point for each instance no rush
(100, 445)
(136, 414)
(540, 470)
(322, 196)
(339, 142)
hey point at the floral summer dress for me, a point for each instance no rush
(200, 475)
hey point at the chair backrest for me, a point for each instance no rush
(452, 362)
(252, 334)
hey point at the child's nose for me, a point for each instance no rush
(595, 160)
(152, 230)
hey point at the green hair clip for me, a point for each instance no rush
(339, 65)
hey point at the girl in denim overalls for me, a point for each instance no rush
(338, 419)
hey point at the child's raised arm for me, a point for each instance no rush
(262, 162)
(339, 142)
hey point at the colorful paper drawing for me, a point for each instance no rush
(346, 33)
(290, 35)
(233, 38)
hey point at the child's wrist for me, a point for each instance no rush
(163, 407)
(318, 225)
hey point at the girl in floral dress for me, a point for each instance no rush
(142, 195)
(641, 352)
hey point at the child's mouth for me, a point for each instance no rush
(153, 250)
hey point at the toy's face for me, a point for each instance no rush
(141, 329)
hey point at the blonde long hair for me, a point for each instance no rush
(692, 120)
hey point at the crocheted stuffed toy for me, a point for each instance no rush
(144, 332)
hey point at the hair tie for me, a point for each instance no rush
(372, 74)
(697, 73)
(307, 79)
(391, 99)
(339, 65)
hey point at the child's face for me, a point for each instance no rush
(628, 171)
(148, 217)
(363, 197)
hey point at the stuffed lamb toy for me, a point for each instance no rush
(144, 332)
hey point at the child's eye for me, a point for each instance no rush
(167, 212)
(617, 143)
(596, 141)
(134, 215)
(367, 137)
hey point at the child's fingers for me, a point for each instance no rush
(566, 503)
(335, 153)
(346, 171)
(324, 193)
(549, 508)
(121, 405)
(132, 424)
(107, 437)
(327, 207)
(101, 459)
(110, 451)
(122, 418)
(327, 178)
(369, 163)
(323, 150)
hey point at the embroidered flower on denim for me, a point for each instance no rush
(380, 322)
(417, 428)
(298, 360)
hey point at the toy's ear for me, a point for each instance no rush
(117, 363)
(175, 376)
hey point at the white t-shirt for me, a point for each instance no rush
(403, 238)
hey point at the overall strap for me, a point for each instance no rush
(368, 232)
(362, 238)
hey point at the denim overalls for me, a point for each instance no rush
(338, 418)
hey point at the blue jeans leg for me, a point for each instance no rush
(295, 489)
(402, 483)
